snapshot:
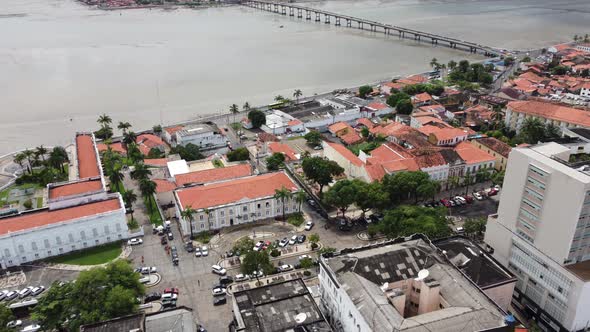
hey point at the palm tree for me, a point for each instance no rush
(576, 38)
(57, 157)
(157, 129)
(116, 177)
(296, 94)
(129, 137)
(454, 182)
(434, 63)
(129, 197)
(586, 38)
(452, 64)
(467, 180)
(28, 154)
(300, 197)
(41, 151)
(134, 154)
(124, 126)
(233, 109)
(147, 188)
(104, 120)
(140, 172)
(282, 194)
(279, 98)
(246, 106)
(188, 213)
(19, 158)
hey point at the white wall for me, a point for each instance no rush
(205, 140)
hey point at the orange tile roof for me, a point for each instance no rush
(389, 152)
(472, 155)
(294, 122)
(395, 85)
(350, 137)
(117, 147)
(495, 145)
(87, 161)
(551, 111)
(377, 106)
(389, 129)
(532, 77)
(433, 108)
(346, 153)
(427, 119)
(422, 97)
(442, 133)
(74, 188)
(163, 186)
(149, 140)
(45, 217)
(365, 122)
(214, 174)
(338, 126)
(275, 147)
(172, 130)
(414, 79)
(430, 159)
(222, 193)
(156, 162)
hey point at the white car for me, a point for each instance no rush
(302, 257)
(308, 225)
(169, 296)
(37, 290)
(219, 291)
(460, 230)
(241, 277)
(293, 240)
(144, 280)
(477, 196)
(197, 252)
(11, 295)
(134, 241)
(284, 242)
(285, 268)
(25, 291)
(31, 328)
(14, 323)
(461, 199)
(204, 251)
(258, 274)
(497, 187)
(218, 270)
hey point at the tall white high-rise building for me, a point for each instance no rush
(542, 232)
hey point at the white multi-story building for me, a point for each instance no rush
(403, 285)
(234, 202)
(585, 90)
(202, 135)
(542, 234)
(561, 116)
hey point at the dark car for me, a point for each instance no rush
(218, 300)
(164, 240)
(226, 280)
(152, 297)
(190, 247)
(170, 236)
(301, 238)
(376, 217)
(344, 225)
(169, 303)
(312, 203)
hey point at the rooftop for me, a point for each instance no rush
(74, 188)
(179, 319)
(552, 111)
(495, 145)
(172, 130)
(214, 174)
(472, 155)
(46, 217)
(341, 149)
(362, 272)
(119, 324)
(87, 159)
(444, 133)
(276, 147)
(196, 129)
(278, 307)
(163, 185)
(228, 192)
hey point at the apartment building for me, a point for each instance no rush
(542, 234)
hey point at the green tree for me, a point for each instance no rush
(475, 226)
(233, 109)
(243, 245)
(395, 98)
(370, 196)
(300, 197)
(256, 261)
(341, 195)
(116, 178)
(404, 106)
(155, 153)
(314, 239)
(532, 130)
(297, 94)
(452, 65)
(403, 185)
(147, 188)
(282, 195)
(41, 151)
(365, 90)
(124, 126)
(428, 189)
(407, 220)
(188, 152)
(365, 132)
(313, 137)
(483, 174)
(321, 171)
(238, 154)
(560, 70)
(275, 161)
(19, 159)
(246, 106)
(326, 250)
(279, 98)
(5, 317)
(257, 118)
(306, 263)
(498, 178)
(140, 171)
(508, 60)
(157, 129)
(526, 59)
(434, 63)
(104, 120)
(188, 213)
(57, 158)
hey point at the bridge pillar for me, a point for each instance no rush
(291, 11)
(416, 37)
(317, 17)
(327, 19)
(360, 24)
(269, 7)
(401, 34)
(299, 13)
(337, 21)
(386, 31)
(283, 10)
(276, 8)
(307, 15)
(348, 23)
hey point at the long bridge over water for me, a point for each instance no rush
(354, 22)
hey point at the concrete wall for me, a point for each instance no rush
(502, 294)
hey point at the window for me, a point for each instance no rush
(245, 217)
(33, 246)
(106, 229)
(267, 204)
(202, 226)
(267, 213)
(83, 235)
(278, 210)
(71, 236)
(245, 208)
(222, 213)
(258, 205)
(49, 252)
(201, 217)
(61, 249)
(231, 212)
(96, 241)
(46, 242)
(95, 232)
(58, 240)
(6, 253)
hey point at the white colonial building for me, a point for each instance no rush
(202, 135)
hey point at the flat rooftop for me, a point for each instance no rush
(480, 267)
(213, 175)
(87, 159)
(279, 307)
(119, 324)
(175, 320)
(195, 129)
(45, 217)
(244, 189)
(74, 188)
(361, 272)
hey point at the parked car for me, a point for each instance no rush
(468, 198)
(218, 291)
(197, 252)
(308, 225)
(452, 203)
(204, 251)
(148, 270)
(344, 225)
(152, 297)
(134, 241)
(11, 295)
(285, 268)
(460, 230)
(170, 236)
(478, 196)
(493, 192)
(293, 240)
(172, 290)
(242, 277)
(460, 200)
(219, 300)
(190, 247)
(144, 280)
(14, 323)
(312, 203)
(258, 274)
(31, 328)
(25, 291)
(284, 242)
(301, 238)
(163, 240)
(37, 290)
(3, 294)
(376, 217)
(168, 303)
(218, 270)
(226, 280)
(445, 202)
(497, 187)
(169, 296)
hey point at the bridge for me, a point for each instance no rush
(354, 22)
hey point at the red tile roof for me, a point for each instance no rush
(350, 137)
(389, 129)
(338, 126)
(551, 111)
(365, 122)
(156, 162)
(472, 155)
(117, 147)
(163, 186)
(276, 147)
(377, 106)
(342, 150)
(172, 130)
(45, 217)
(233, 191)
(294, 122)
(495, 145)
(428, 119)
(214, 174)
(422, 97)
(74, 188)
(149, 140)
(87, 161)
(442, 134)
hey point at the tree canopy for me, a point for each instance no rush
(365, 90)
(341, 195)
(404, 185)
(313, 137)
(238, 154)
(99, 294)
(275, 161)
(188, 152)
(257, 118)
(5, 317)
(257, 261)
(320, 170)
(370, 196)
(404, 106)
(407, 220)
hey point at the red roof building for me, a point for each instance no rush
(87, 159)
(276, 147)
(74, 188)
(214, 175)
(548, 112)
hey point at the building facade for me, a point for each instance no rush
(201, 135)
(561, 116)
(542, 234)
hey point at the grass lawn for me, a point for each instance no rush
(92, 256)
(39, 202)
(153, 213)
(4, 193)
